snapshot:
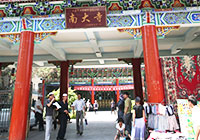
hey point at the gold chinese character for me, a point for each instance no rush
(73, 19)
(85, 18)
(98, 17)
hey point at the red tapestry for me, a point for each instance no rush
(181, 77)
(187, 76)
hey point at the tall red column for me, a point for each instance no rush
(64, 77)
(0, 69)
(22, 87)
(154, 81)
(136, 62)
(43, 91)
(92, 95)
(117, 84)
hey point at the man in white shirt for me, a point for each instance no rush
(39, 113)
(195, 116)
(79, 106)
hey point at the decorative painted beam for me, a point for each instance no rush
(11, 8)
(40, 36)
(162, 31)
(129, 21)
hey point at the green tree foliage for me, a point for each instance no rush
(71, 96)
(49, 74)
(6, 79)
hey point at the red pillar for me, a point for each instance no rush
(64, 77)
(136, 62)
(92, 95)
(0, 69)
(22, 87)
(155, 87)
(117, 84)
(43, 91)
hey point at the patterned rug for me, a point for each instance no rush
(181, 77)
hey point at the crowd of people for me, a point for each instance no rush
(131, 120)
(137, 130)
(63, 115)
(79, 107)
(130, 124)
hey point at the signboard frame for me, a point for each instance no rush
(85, 17)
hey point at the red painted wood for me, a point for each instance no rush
(148, 17)
(43, 91)
(153, 72)
(22, 87)
(0, 69)
(64, 77)
(137, 78)
(118, 94)
(92, 94)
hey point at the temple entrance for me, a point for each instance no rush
(104, 99)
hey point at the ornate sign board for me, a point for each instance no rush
(85, 17)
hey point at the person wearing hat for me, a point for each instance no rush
(138, 120)
(192, 102)
(63, 112)
(127, 113)
(39, 113)
(49, 115)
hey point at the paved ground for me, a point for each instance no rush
(101, 127)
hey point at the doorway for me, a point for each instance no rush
(104, 99)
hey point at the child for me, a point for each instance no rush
(95, 106)
(120, 129)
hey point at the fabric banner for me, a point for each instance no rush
(104, 88)
(85, 17)
(181, 77)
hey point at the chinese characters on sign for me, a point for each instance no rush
(85, 17)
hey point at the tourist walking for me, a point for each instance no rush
(62, 116)
(192, 101)
(138, 120)
(112, 106)
(96, 106)
(120, 106)
(49, 115)
(127, 113)
(39, 113)
(88, 105)
(79, 106)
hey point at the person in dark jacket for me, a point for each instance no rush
(62, 116)
(120, 106)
